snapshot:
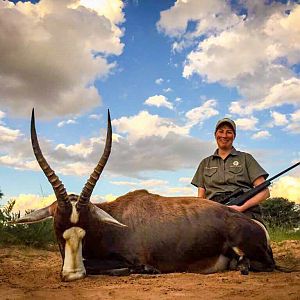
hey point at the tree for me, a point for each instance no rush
(279, 212)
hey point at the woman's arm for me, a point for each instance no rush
(258, 198)
(201, 192)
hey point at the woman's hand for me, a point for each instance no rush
(236, 207)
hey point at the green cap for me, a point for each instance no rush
(226, 121)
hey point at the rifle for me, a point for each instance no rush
(238, 197)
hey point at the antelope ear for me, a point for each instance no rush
(34, 217)
(104, 217)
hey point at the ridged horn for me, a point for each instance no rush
(89, 186)
(58, 187)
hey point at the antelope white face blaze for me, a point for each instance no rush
(73, 267)
(74, 215)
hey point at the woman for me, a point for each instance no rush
(228, 169)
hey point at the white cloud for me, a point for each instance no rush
(199, 114)
(180, 46)
(2, 116)
(218, 58)
(185, 179)
(294, 125)
(125, 183)
(151, 143)
(261, 134)
(236, 107)
(9, 135)
(95, 117)
(105, 198)
(159, 101)
(295, 117)
(148, 183)
(68, 122)
(108, 8)
(159, 81)
(47, 54)
(246, 123)
(167, 90)
(285, 31)
(132, 157)
(16, 149)
(290, 121)
(82, 149)
(17, 162)
(287, 187)
(69, 160)
(294, 128)
(253, 53)
(164, 189)
(153, 183)
(180, 191)
(285, 92)
(279, 119)
(80, 168)
(154, 153)
(146, 125)
(209, 15)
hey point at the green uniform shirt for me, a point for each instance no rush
(238, 170)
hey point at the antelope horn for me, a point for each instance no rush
(58, 187)
(89, 186)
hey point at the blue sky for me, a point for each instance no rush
(167, 70)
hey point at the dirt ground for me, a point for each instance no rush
(27, 273)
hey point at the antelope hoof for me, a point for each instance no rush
(71, 276)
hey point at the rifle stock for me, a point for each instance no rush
(240, 200)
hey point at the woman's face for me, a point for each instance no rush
(224, 137)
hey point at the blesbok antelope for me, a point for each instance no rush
(142, 232)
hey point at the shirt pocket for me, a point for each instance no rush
(210, 177)
(236, 175)
(236, 170)
(209, 172)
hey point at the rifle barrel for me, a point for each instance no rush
(284, 171)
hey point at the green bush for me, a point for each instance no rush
(38, 235)
(281, 213)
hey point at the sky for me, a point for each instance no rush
(167, 71)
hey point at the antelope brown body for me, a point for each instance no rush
(142, 232)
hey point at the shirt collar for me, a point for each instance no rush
(233, 152)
